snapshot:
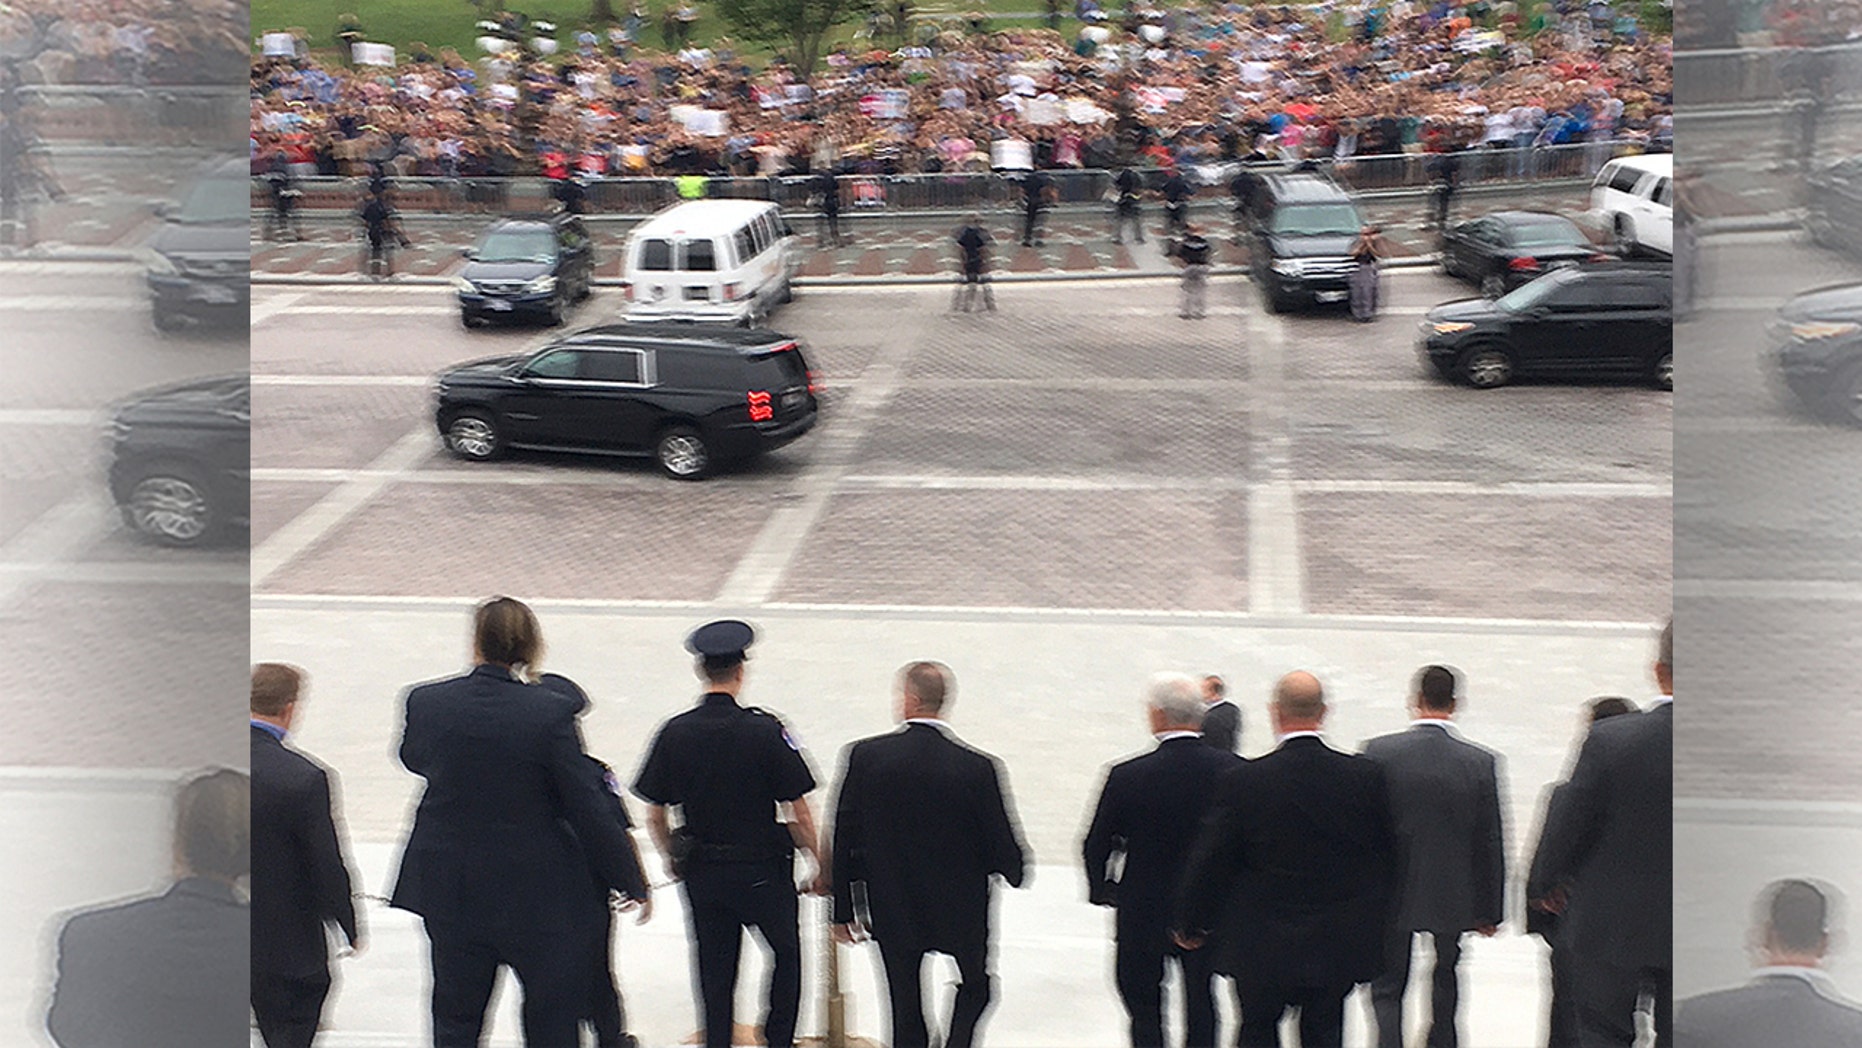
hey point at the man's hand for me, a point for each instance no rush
(1187, 940)
(850, 933)
(358, 945)
(1488, 931)
(642, 907)
(1554, 902)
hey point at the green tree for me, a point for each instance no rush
(798, 27)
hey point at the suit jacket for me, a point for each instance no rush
(1613, 841)
(923, 822)
(1539, 882)
(1773, 1011)
(1222, 726)
(515, 819)
(1149, 812)
(171, 971)
(1451, 847)
(299, 881)
(1297, 861)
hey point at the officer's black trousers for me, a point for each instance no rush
(722, 899)
(904, 963)
(552, 969)
(1142, 956)
(289, 1008)
(1321, 1014)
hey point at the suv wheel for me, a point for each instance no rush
(682, 453)
(1626, 236)
(1487, 367)
(474, 436)
(1665, 371)
(173, 505)
(1276, 303)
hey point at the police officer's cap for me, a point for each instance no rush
(721, 644)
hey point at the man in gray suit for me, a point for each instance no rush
(1790, 1000)
(1221, 718)
(1613, 840)
(1451, 847)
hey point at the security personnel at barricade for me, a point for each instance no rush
(728, 767)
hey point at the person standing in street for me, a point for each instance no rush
(1791, 999)
(728, 768)
(827, 219)
(1143, 825)
(1244, 188)
(1541, 919)
(512, 833)
(1292, 873)
(1221, 718)
(1447, 184)
(1177, 190)
(1127, 189)
(1037, 196)
(282, 221)
(381, 226)
(1366, 251)
(923, 824)
(1614, 838)
(1451, 848)
(300, 881)
(973, 256)
(1193, 255)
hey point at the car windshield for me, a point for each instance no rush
(1548, 234)
(215, 202)
(1532, 294)
(1317, 220)
(518, 245)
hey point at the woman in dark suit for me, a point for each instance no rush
(513, 832)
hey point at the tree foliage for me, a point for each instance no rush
(798, 28)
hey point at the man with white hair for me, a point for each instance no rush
(1144, 824)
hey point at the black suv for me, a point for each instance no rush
(526, 267)
(691, 397)
(1303, 226)
(181, 460)
(1816, 350)
(1613, 319)
(200, 262)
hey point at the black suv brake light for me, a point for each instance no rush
(760, 408)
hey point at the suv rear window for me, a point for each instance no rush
(656, 254)
(780, 370)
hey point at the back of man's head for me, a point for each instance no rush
(1609, 706)
(1436, 689)
(1177, 701)
(929, 687)
(1299, 698)
(1214, 688)
(275, 688)
(213, 826)
(1796, 922)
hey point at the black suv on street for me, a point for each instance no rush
(1816, 350)
(526, 267)
(690, 397)
(1303, 228)
(181, 460)
(199, 264)
(1613, 319)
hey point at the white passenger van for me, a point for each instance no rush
(1632, 198)
(726, 261)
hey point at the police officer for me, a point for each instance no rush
(1177, 193)
(1037, 195)
(1193, 252)
(972, 246)
(727, 767)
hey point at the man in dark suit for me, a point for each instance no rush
(1541, 918)
(169, 971)
(1146, 819)
(923, 823)
(1451, 848)
(1613, 840)
(300, 883)
(1790, 1000)
(1293, 870)
(512, 825)
(1222, 718)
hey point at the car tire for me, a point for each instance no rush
(1845, 401)
(172, 503)
(470, 321)
(1626, 244)
(1493, 285)
(474, 435)
(1664, 376)
(788, 292)
(1487, 367)
(682, 453)
(1276, 303)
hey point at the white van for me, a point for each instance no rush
(727, 261)
(1633, 199)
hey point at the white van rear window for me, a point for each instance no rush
(656, 254)
(699, 256)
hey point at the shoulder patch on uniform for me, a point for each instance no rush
(789, 738)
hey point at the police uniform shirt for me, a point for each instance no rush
(1195, 250)
(728, 767)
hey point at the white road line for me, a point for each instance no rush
(71, 304)
(269, 306)
(1523, 489)
(1276, 568)
(1827, 591)
(308, 528)
(880, 482)
(641, 480)
(1687, 425)
(53, 540)
(373, 311)
(111, 573)
(1740, 303)
(50, 417)
(260, 379)
(1766, 813)
(270, 602)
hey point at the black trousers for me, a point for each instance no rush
(606, 1013)
(1562, 1025)
(551, 968)
(722, 900)
(1031, 223)
(1321, 1008)
(1142, 956)
(1444, 995)
(289, 1008)
(827, 224)
(904, 963)
(1605, 999)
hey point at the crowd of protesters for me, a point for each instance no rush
(127, 42)
(1181, 86)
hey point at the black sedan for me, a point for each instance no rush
(1816, 350)
(1601, 321)
(1510, 249)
